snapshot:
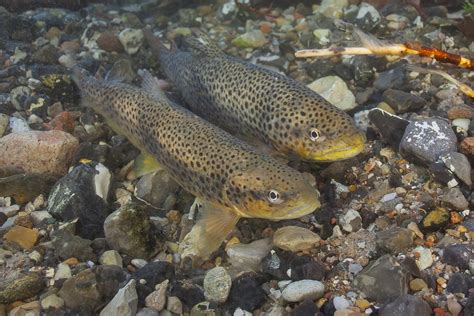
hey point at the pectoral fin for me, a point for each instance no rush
(209, 232)
(145, 163)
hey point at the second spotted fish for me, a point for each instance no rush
(247, 99)
(228, 177)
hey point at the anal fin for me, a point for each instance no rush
(209, 232)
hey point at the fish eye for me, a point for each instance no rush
(273, 196)
(314, 134)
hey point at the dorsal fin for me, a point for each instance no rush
(199, 43)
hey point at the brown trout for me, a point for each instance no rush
(244, 98)
(229, 177)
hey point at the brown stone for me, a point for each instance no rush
(70, 47)
(49, 152)
(467, 147)
(22, 236)
(461, 111)
(109, 42)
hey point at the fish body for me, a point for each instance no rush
(229, 177)
(245, 98)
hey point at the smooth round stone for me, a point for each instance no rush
(340, 303)
(294, 238)
(52, 301)
(217, 283)
(111, 257)
(301, 290)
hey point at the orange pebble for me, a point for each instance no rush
(265, 28)
(456, 217)
(439, 311)
(71, 261)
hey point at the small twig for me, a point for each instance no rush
(372, 46)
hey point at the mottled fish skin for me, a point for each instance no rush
(242, 97)
(205, 160)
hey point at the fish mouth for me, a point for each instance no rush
(343, 148)
(311, 204)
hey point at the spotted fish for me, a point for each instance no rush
(244, 98)
(229, 177)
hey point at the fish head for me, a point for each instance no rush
(271, 190)
(316, 131)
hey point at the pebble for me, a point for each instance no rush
(426, 140)
(455, 199)
(395, 239)
(19, 97)
(20, 286)
(18, 126)
(249, 256)
(246, 292)
(403, 102)
(360, 246)
(434, 220)
(340, 303)
(28, 309)
(322, 35)
(459, 165)
(467, 146)
(418, 285)
(332, 8)
(39, 216)
(68, 246)
(301, 290)
(407, 305)
(82, 194)
(81, 290)
(351, 221)
(124, 303)
(155, 188)
(109, 42)
(251, 39)
(453, 306)
(128, 230)
(174, 305)
(460, 283)
(335, 90)
(157, 298)
(294, 238)
(63, 271)
(111, 257)
(131, 39)
(139, 263)
(21, 236)
(52, 301)
(367, 17)
(203, 309)
(383, 280)
(462, 123)
(49, 152)
(458, 255)
(391, 127)
(217, 284)
(460, 111)
(424, 258)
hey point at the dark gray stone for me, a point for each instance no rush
(382, 280)
(74, 196)
(458, 255)
(454, 198)
(424, 141)
(459, 164)
(391, 127)
(406, 305)
(394, 240)
(402, 101)
(460, 283)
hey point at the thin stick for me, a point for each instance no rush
(372, 46)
